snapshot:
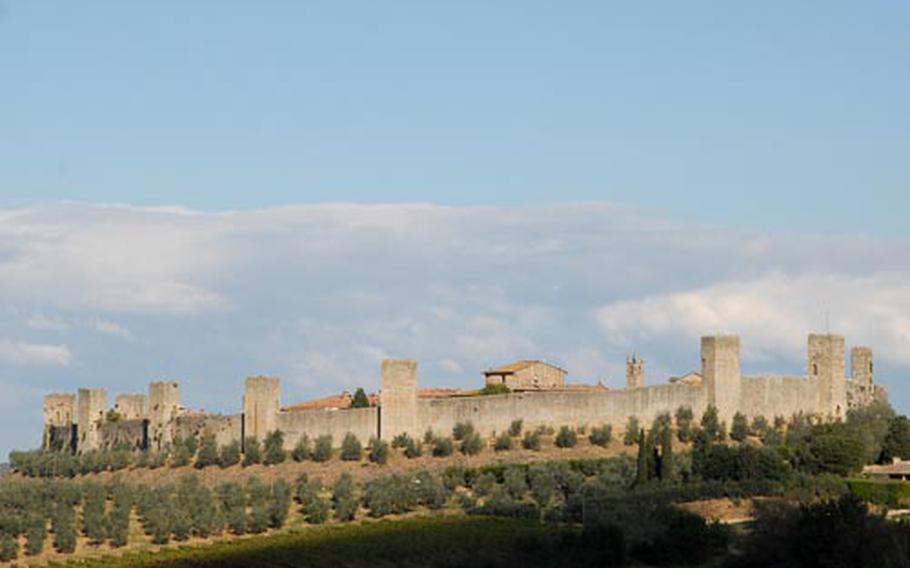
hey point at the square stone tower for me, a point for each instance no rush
(827, 362)
(722, 374)
(92, 406)
(164, 407)
(261, 403)
(398, 399)
(59, 412)
(635, 372)
(862, 367)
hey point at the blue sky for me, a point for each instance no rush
(771, 115)
(201, 191)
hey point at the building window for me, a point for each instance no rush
(815, 369)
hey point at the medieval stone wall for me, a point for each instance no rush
(771, 396)
(556, 408)
(362, 422)
(225, 428)
(132, 434)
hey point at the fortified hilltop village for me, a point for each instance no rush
(538, 394)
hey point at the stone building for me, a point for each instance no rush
(527, 375)
(539, 396)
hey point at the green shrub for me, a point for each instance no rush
(430, 492)
(684, 418)
(429, 437)
(252, 452)
(302, 450)
(515, 427)
(710, 424)
(274, 448)
(35, 535)
(344, 499)
(567, 438)
(9, 548)
(119, 516)
(390, 496)
(322, 452)
(495, 389)
(351, 449)
(229, 455)
(515, 482)
(600, 436)
(443, 447)
(280, 502)
(208, 452)
(531, 441)
(233, 504)
(471, 444)
(401, 440)
(93, 525)
(258, 494)
(484, 484)
(413, 449)
(183, 450)
(63, 524)
(379, 451)
(543, 484)
(503, 442)
(888, 493)
(630, 436)
(461, 430)
(739, 429)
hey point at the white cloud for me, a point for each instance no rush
(318, 294)
(22, 353)
(774, 313)
(111, 328)
(42, 322)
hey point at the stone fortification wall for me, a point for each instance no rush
(60, 438)
(362, 422)
(131, 406)
(557, 408)
(226, 428)
(771, 396)
(124, 433)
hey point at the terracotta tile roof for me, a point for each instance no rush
(335, 401)
(518, 366)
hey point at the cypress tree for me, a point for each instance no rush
(666, 456)
(641, 471)
(361, 400)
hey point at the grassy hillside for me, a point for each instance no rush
(442, 540)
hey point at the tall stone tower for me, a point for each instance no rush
(164, 406)
(91, 407)
(635, 372)
(59, 412)
(722, 374)
(862, 369)
(827, 361)
(398, 398)
(261, 403)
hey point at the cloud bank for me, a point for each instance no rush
(116, 296)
